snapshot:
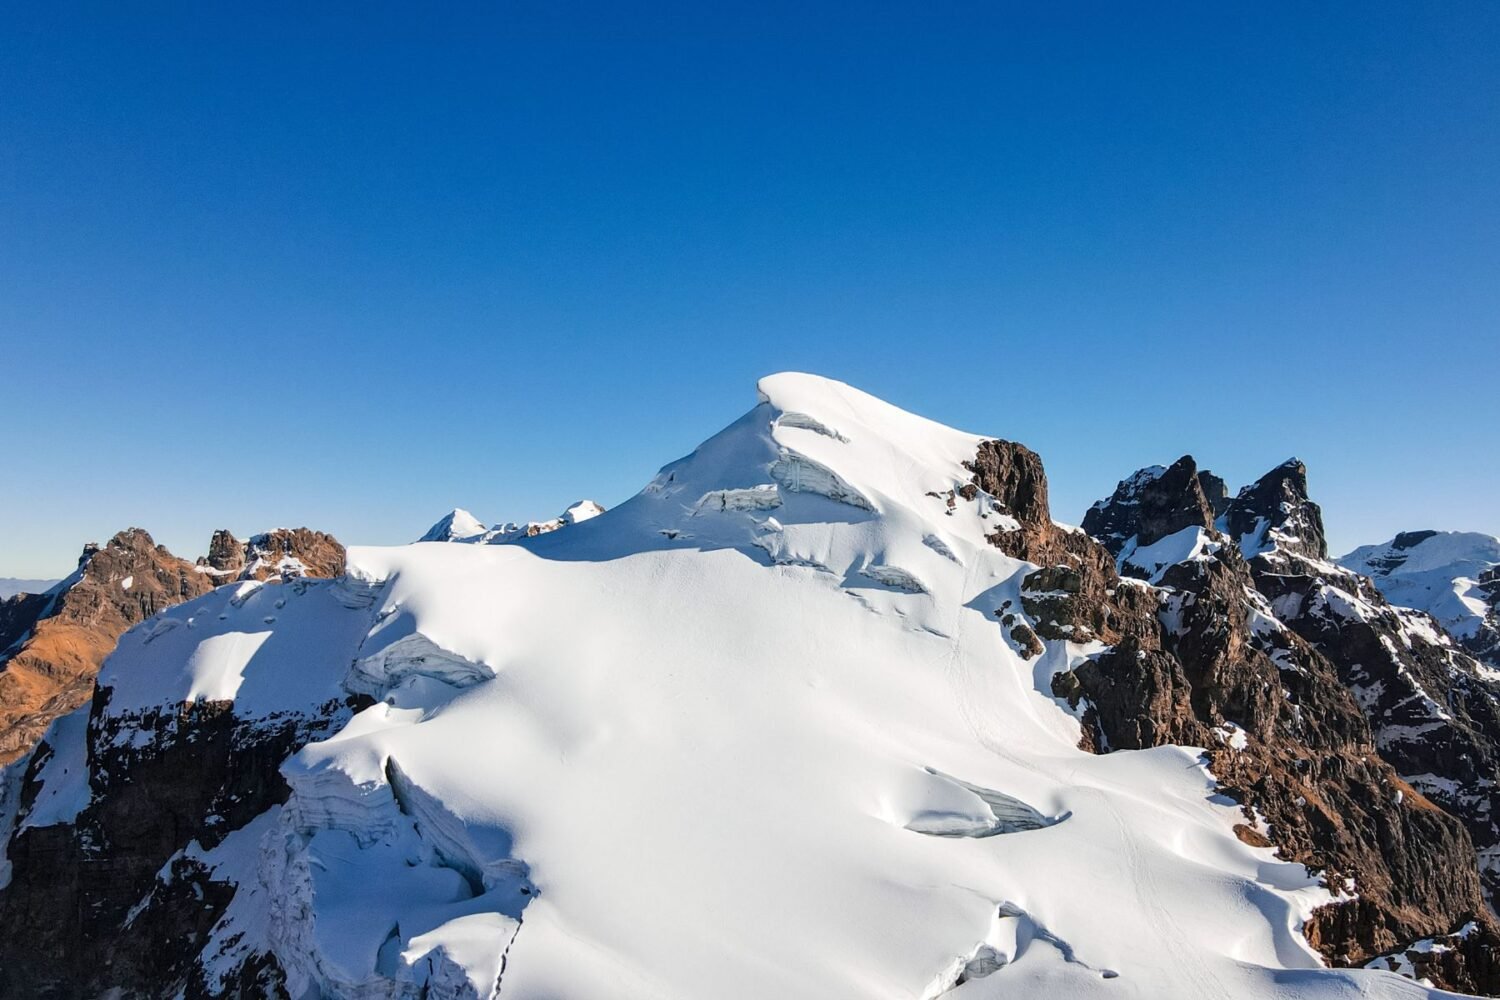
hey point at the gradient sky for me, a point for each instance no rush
(348, 265)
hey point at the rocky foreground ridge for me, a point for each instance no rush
(1360, 732)
(165, 841)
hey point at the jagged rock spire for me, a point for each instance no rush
(1152, 504)
(1275, 510)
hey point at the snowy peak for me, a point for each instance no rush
(1452, 575)
(1275, 512)
(458, 525)
(880, 452)
(813, 451)
(845, 696)
(1456, 553)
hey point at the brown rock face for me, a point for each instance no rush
(52, 645)
(290, 552)
(274, 555)
(1202, 655)
(1012, 474)
(57, 643)
(226, 554)
(1076, 593)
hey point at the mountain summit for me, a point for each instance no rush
(831, 708)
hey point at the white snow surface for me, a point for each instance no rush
(458, 525)
(64, 777)
(1438, 575)
(689, 750)
(1190, 544)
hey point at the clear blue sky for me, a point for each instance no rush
(347, 265)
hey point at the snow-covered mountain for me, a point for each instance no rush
(1452, 575)
(831, 708)
(458, 525)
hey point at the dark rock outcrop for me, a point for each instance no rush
(1215, 491)
(226, 554)
(1275, 511)
(1486, 643)
(1151, 505)
(273, 555)
(1211, 664)
(96, 916)
(1432, 710)
(1075, 592)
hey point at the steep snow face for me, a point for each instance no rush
(1441, 572)
(755, 733)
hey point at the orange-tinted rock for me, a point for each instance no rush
(55, 643)
(59, 641)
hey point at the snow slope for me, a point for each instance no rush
(1437, 572)
(754, 733)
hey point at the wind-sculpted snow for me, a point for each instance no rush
(375, 889)
(412, 655)
(721, 775)
(703, 745)
(800, 474)
(948, 807)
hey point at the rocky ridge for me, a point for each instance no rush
(1366, 726)
(53, 644)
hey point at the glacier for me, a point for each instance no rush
(756, 732)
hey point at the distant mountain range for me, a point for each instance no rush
(10, 586)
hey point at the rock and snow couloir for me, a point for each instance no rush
(791, 722)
